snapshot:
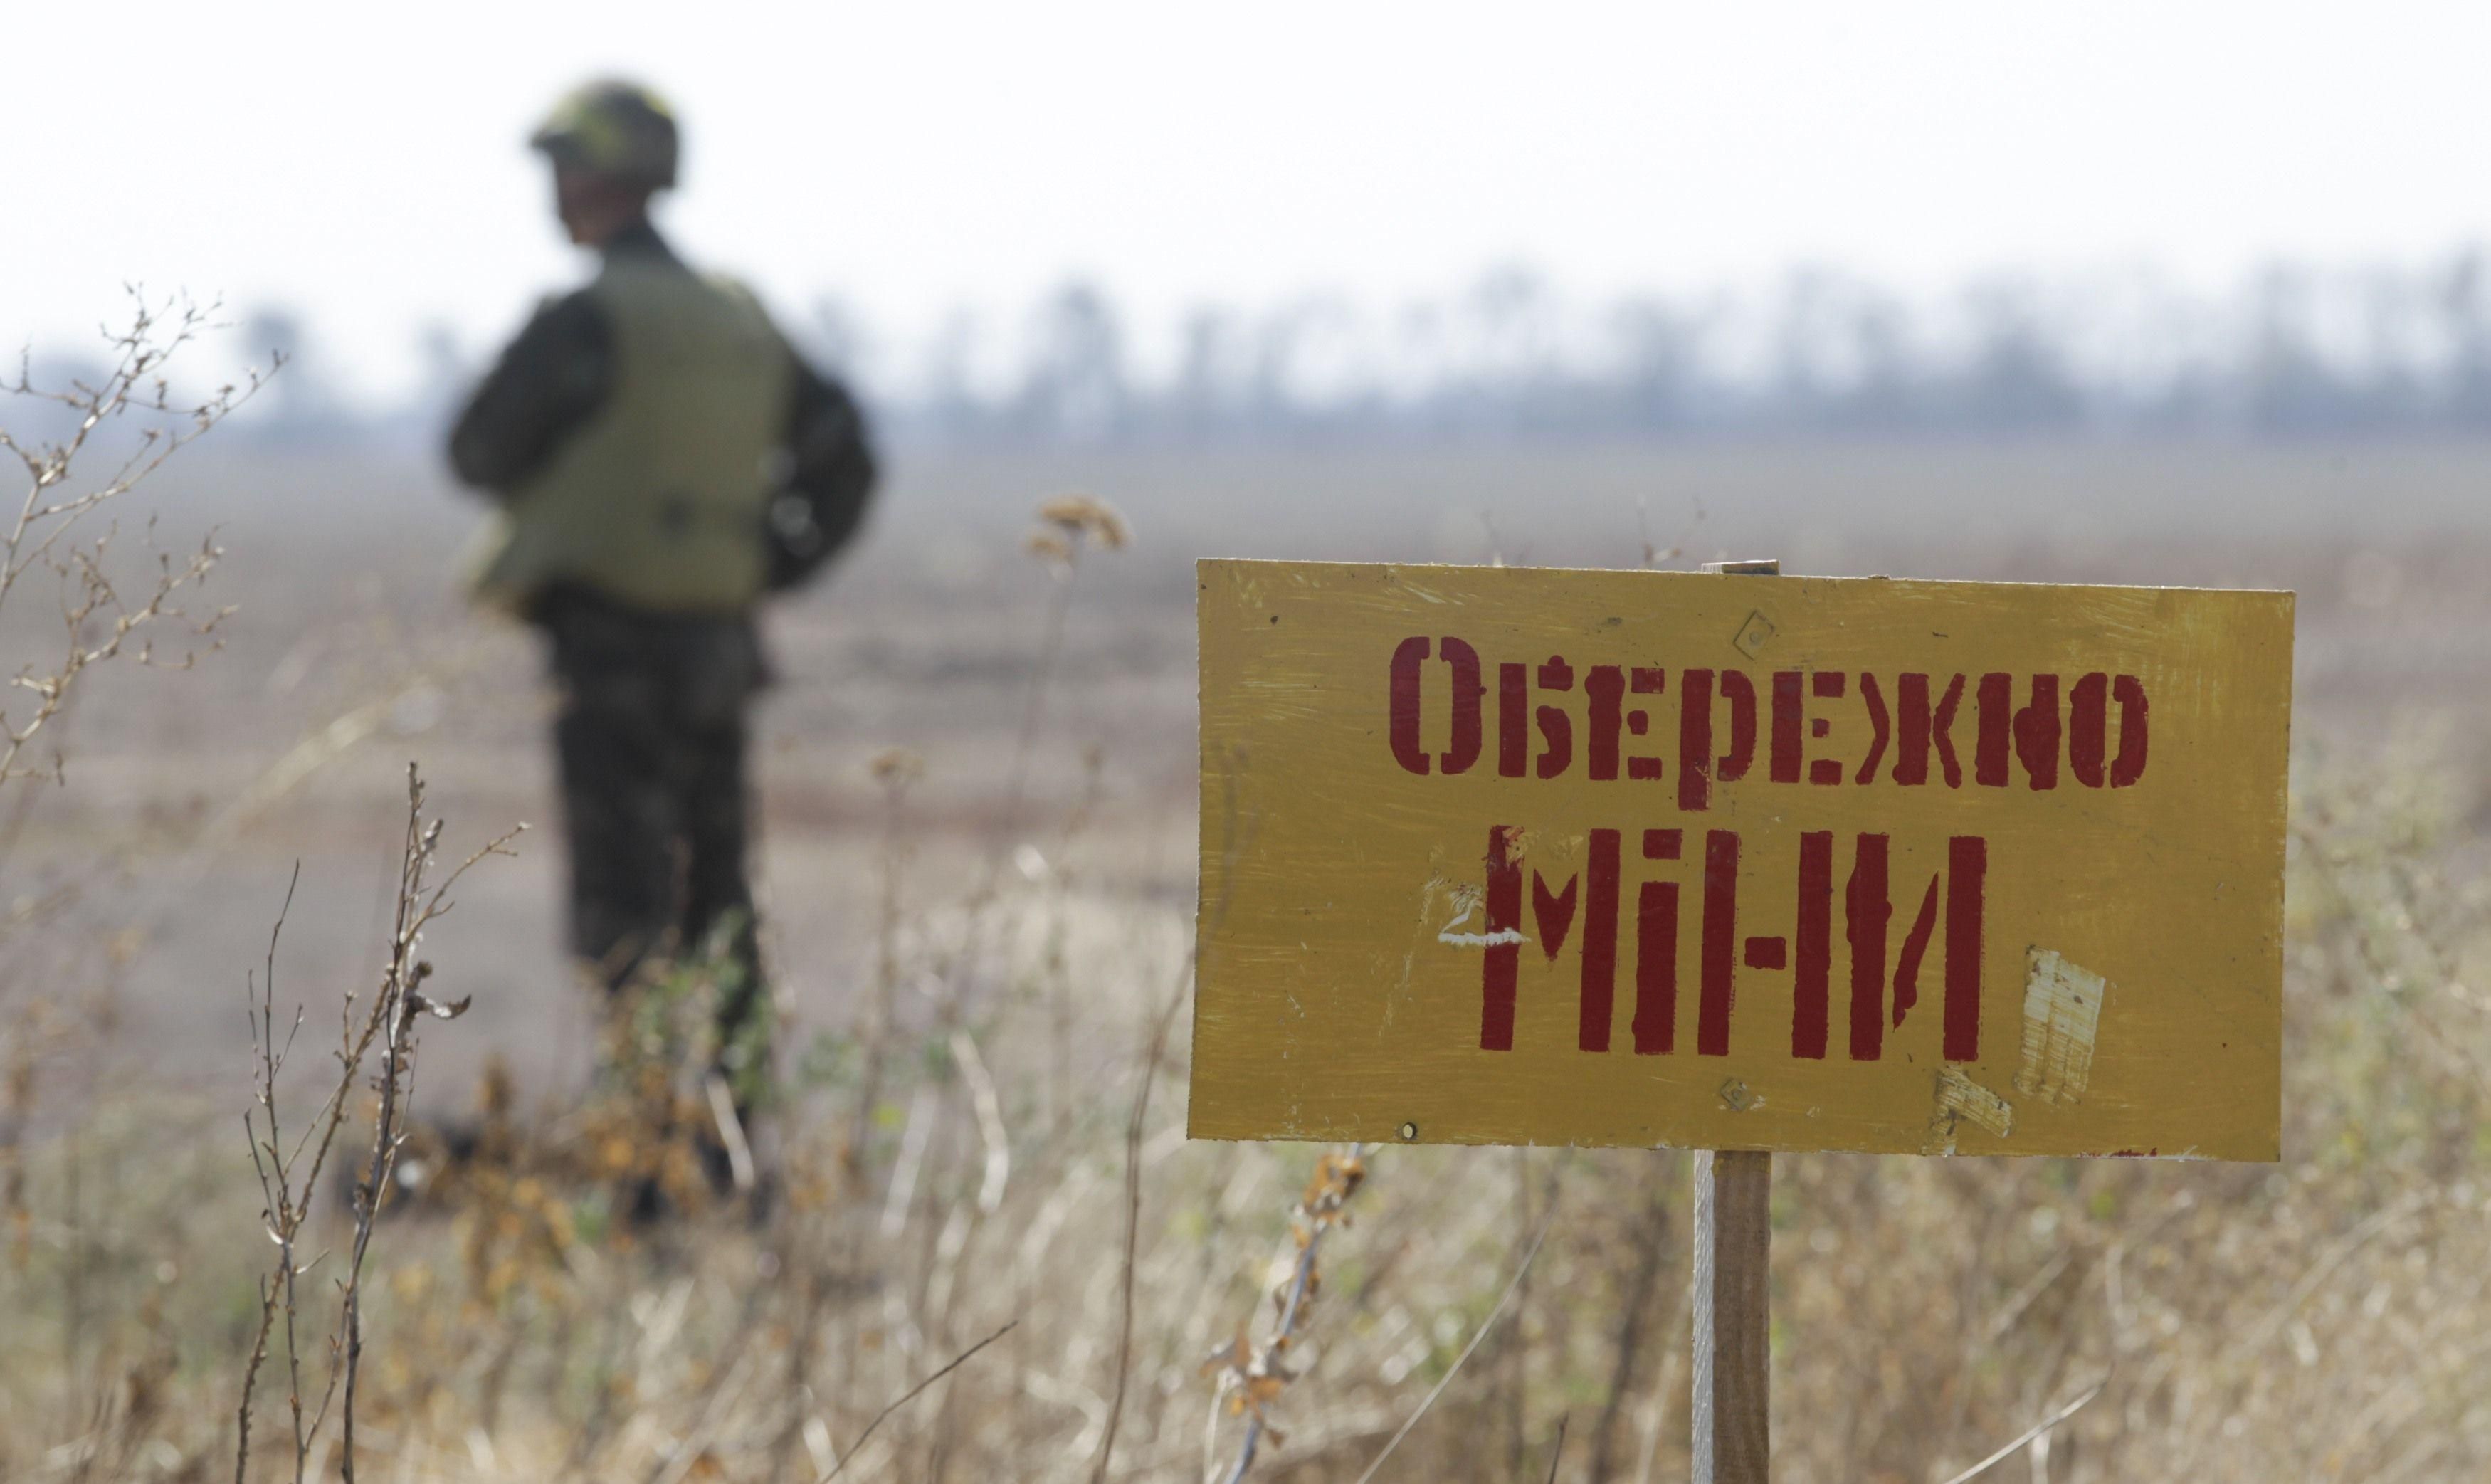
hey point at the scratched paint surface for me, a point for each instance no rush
(1514, 855)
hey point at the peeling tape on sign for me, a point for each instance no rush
(1960, 1099)
(2063, 1007)
(1517, 856)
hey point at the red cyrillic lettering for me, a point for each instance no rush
(1656, 1015)
(1787, 709)
(1556, 728)
(1694, 740)
(2130, 766)
(1941, 728)
(1967, 881)
(2037, 735)
(1825, 685)
(1553, 911)
(2088, 727)
(1501, 967)
(1878, 720)
(1989, 751)
(1810, 980)
(1921, 729)
(1912, 729)
(1512, 719)
(1865, 910)
(1717, 988)
(1468, 691)
(1404, 705)
(1915, 946)
(1605, 687)
(1643, 681)
(1599, 945)
(1740, 693)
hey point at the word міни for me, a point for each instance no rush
(1884, 982)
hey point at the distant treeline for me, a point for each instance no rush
(2289, 351)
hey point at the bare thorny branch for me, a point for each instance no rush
(1253, 1376)
(100, 619)
(289, 1175)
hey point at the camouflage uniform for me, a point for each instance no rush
(650, 735)
(652, 643)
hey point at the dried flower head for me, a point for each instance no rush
(1049, 546)
(897, 767)
(1083, 518)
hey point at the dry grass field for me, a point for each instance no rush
(978, 876)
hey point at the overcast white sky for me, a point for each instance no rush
(365, 164)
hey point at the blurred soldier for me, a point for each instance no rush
(663, 460)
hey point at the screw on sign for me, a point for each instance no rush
(1517, 856)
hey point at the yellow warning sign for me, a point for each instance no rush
(1514, 855)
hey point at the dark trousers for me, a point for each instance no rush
(649, 738)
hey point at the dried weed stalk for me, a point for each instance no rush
(910, 1395)
(1251, 1377)
(1068, 525)
(1521, 1270)
(290, 1173)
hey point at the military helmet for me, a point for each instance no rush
(612, 128)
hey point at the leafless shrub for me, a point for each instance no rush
(62, 542)
(104, 616)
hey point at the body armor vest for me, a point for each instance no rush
(658, 501)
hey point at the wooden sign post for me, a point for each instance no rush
(1517, 856)
(1731, 1405)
